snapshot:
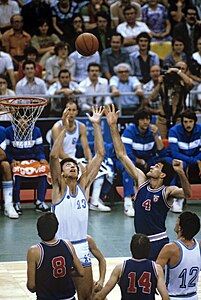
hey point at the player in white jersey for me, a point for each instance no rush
(69, 200)
(76, 130)
(183, 259)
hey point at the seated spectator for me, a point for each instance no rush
(30, 84)
(131, 28)
(173, 89)
(144, 147)
(62, 13)
(89, 12)
(6, 178)
(96, 85)
(198, 98)
(34, 11)
(65, 87)
(113, 56)
(44, 41)
(143, 59)
(30, 53)
(60, 60)
(81, 64)
(177, 54)
(8, 8)
(123, 82)
(155, 15)
(15, 40)
(4, 91)
(116, 11)
(17, 153)
(197, 55)
(102, 30)
(153, 107)
(77, 28)
(6, 66)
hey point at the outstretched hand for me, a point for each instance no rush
(97, 114)
(65, 116)
(177, 166)
(111, 115)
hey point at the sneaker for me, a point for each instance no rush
(10, 212)
(129, 211)
(99, 207)
(42, 207)
(18, 208)
(177, 206)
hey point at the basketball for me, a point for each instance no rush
(86, 44)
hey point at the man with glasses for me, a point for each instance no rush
(131, 28)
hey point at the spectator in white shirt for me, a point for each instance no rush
(131, 28)
(6, 66)
(93, 84)
(29, 84)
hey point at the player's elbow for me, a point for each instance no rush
(31, 287)
(188, 194)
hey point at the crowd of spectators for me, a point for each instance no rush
(38, 55)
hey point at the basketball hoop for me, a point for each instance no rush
(23, 113)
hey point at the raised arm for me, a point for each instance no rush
(94, 165)
(84, 141)
(134, 172)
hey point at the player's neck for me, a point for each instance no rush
(155, 183)
(71, 182)
(188, 243)
(72, 125)
(53, 241)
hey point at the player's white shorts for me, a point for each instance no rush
(191, 297)
(82, 251)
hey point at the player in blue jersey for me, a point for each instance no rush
(51, 263)
(137, 277)
(154, 196)
(183, 259)
(70, 198)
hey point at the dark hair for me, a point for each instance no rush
(13, 16)
(190, 224)
(3, 76)
(117, 34)
(103, 15)
(141, 114)
(30, 50)
(128, 7)
(93, 64)
(143, 35)
(77, 15)
(68, 159)
(177, 39)
(61, 45)
(140, 246)
(41, 22)
(64, 71)
(190, 7)
(168, 170)
(189, 114)
(47, 226)
(28, 62)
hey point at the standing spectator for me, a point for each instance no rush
(116, 11)
(77, 28)
(155, 15)
(183, 258)
(154, 195)
(30, 84)
(82, 63)
(8, 8)
(34, 11)
(173, 88)
(65, 87)
(189, 30)
(27, 150)
(123, 82)
(153, 107)
(6, 177)
(113, 56)
(62, 13)
(184, 141)
(143, 59)
(51, 263)
(6, 66)
(60, 60)
(15, 40)
(90, 10)
(131, 28)
(138, 269)
(177, 54)
(44, 41)
(30, 53)
(102, 30)
(96, 85)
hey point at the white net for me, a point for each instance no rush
(23, 113)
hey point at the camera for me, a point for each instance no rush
(171, 79)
